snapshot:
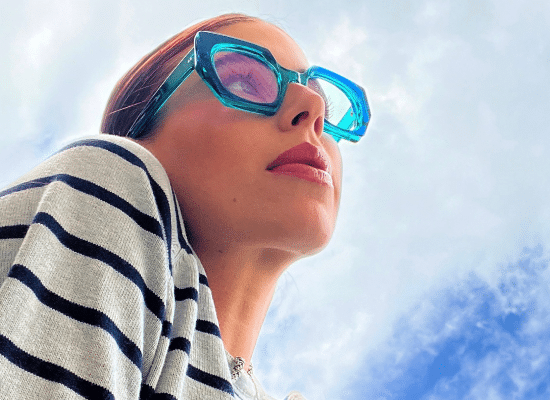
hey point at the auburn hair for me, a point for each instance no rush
(133, 90)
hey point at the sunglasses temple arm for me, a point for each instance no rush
(162, 94)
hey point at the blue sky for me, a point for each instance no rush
(435, 285)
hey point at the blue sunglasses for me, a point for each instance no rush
(247, 77)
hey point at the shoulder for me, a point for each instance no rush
(108, 147)
(85, 250)
(101, 199)
(99, 188)
(101, 166)
(108, 156)
(101, 180)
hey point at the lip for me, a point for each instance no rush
(304, 161)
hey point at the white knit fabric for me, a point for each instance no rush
(101, 296)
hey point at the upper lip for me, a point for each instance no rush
(304, 153)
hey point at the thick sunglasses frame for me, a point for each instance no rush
(200, 59)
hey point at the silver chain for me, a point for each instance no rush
(246, 388)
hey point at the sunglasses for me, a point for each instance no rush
(245, 76)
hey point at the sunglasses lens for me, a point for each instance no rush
(246, 77)
(338, 108)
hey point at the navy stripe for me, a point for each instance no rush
(208, 327)
(203, 280)
(164, 212)
(166, 329)
(76, 311)
(164, 396)
(146, 392)
(183, 242)
(186, 294)
(24, 186)
(145, 221)
(88, 249)
(160, 197)
(51, 372)
(13, 231)
(180, 343)
(109, 146)
(209, 379)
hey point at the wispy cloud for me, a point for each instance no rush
(472, 340)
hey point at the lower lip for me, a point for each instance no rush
(303, 171)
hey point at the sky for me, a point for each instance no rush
(436, 283)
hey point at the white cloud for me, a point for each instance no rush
(342, 48)
(452, 345)
(433, 12)
(37, 48)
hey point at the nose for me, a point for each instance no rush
(302, 108)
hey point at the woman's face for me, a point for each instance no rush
(216, 158)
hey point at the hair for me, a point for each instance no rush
(133, 90)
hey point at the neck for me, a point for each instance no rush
(242, 282)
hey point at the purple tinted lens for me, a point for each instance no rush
(246, 77)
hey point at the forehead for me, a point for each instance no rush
(285, 50)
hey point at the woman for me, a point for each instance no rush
(143, 266)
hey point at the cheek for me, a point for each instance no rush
(216, 151)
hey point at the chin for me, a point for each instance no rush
(311, 235)
(311, 241)
(319, 245)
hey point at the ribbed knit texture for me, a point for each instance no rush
(101, 296)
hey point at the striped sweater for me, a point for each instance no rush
(101, 296)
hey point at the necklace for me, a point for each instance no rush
(245, 384)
